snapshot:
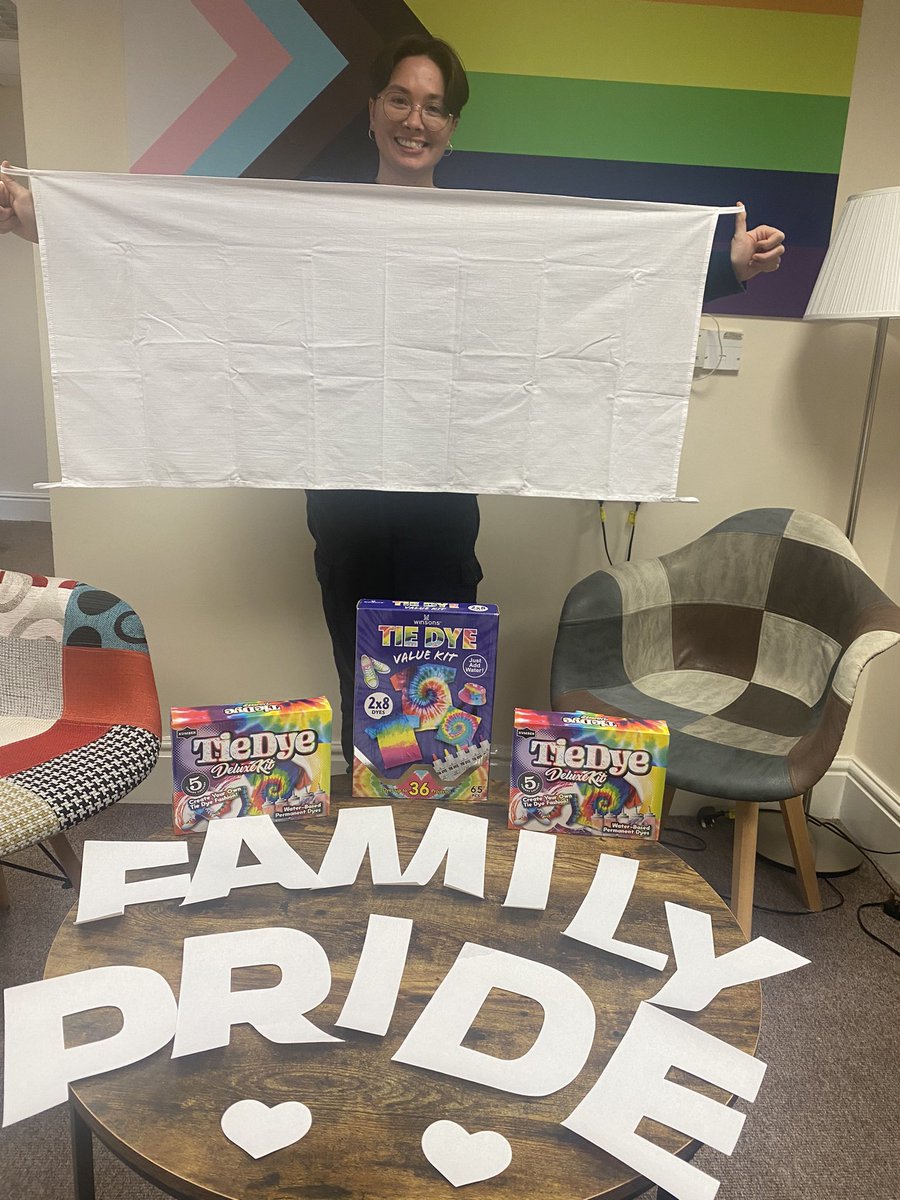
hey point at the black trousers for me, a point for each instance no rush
(387, 546)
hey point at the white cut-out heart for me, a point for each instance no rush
(463, 1157)
(260, 1130)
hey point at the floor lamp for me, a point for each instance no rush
(859, 281)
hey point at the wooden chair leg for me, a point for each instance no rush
(68, 859)
(802, 851)
(668, 797)
(743, 865)
(4, 894)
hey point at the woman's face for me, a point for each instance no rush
(407, 151)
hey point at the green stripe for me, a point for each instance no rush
(582, 118)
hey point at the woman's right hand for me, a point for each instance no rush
(16, 208)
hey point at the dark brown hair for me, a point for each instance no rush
(456, 85)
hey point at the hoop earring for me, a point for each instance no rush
(371, 134)
(448, 150)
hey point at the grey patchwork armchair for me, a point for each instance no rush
(749, 642)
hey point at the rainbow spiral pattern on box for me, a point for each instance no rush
(587, 773)
(423, 699)
(271, 758)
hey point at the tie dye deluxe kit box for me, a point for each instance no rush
(587, 773)
(423, 700)
(247, 760)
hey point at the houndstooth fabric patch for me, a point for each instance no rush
(83, 782)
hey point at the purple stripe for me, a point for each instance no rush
(783, 293)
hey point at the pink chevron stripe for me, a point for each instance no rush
(260, 59)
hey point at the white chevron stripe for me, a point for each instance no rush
(172, 55)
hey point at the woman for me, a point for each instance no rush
(397, 545)
(411, 545)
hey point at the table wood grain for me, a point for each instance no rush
(162, 1116)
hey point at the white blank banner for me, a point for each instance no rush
(257, 333)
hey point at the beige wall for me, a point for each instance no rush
(871, 160)
(224, 579)
(23, 451)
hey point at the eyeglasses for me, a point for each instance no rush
(397, 107)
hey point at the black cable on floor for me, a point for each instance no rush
(826, 824)
(797, 912)
(874, 936)
(863, 851)
(683, 833)
(866, 852)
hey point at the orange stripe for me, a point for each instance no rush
(829, 8)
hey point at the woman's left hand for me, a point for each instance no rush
(754, 250)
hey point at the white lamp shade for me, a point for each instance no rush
(860, 277)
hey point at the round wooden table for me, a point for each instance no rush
(161, 1116)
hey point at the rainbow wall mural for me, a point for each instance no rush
(696, 101)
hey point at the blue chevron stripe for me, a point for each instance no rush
(316, 61)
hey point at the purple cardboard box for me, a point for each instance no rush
(423, 699)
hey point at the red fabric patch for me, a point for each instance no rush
(111, 687)
(58, 739)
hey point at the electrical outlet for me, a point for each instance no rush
(719, 351)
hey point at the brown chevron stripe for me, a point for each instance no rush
(390, 17)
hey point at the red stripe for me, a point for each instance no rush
(59, 739)
(114, 687)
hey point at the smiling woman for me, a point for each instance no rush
(420, 88)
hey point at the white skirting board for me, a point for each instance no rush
(24, 506)
(870, 812)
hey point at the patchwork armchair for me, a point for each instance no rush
(749, 642)
(79, 716)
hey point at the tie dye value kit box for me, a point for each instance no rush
(423, 700)
(247, 760)
(587, 773)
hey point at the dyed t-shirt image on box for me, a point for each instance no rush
(423, 699)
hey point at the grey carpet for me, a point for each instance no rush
(824, 1126)
(26, 546)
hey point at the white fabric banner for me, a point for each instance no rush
(259, 333)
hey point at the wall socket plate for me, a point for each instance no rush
(719, 351)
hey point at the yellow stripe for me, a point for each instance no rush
(635, 41)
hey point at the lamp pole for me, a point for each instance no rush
(866, 431)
